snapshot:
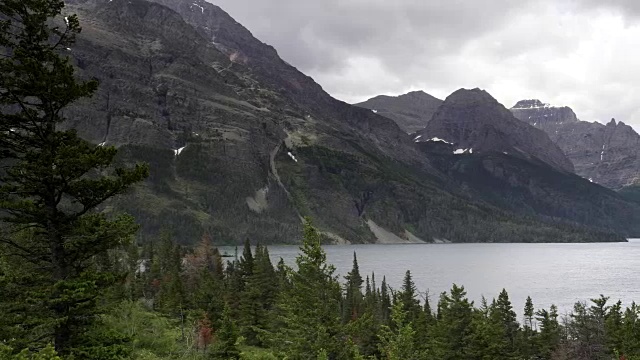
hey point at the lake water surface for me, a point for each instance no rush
(559, 274)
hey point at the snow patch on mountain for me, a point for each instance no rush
(463, 151)
(437, 139)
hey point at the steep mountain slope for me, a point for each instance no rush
(607, 154)
(242, 145)
(533, 188)
(410, 111)
(476, 122)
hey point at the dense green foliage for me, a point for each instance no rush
(181, 303)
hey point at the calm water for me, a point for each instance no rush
(558, 274)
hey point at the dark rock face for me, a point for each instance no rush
(475, 122)
(411, 111)
(170, 98)
(607, 154)
(224, 123)
(242, 145)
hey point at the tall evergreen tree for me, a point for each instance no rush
(487, 339)
(246, 262)
(453, 331)
(258, 298)
(397, 343)
(308, 312)
(631, 330)
(408, 297)
(226, 338)
(528, 347)
(614, 328)
(587, 330)
(507, 318)
(385, 301)
(170, 297)
(352, 304)
(52, 180)
(549, 336)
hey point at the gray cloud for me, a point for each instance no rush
(581, 53)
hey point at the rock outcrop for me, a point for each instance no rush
(606, 154)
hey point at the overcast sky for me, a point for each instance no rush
(580, 53)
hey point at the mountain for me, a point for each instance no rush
(410, 111)
(476, 122)
(606, 154)
(533, 188)
(242, 145)
(542, 115)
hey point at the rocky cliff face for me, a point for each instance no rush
(475, 122)
(242, 145)
(606, 154)
(540, 114)
(411, 111)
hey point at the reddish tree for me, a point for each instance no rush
(205, 332)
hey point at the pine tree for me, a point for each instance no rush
(53, 181)
(587, 330)
(549, 336)
(614, 327)
(258, 298)
(408, 297)
(397, 343)
(453, 330)
(528, 313)
(282, 274)
(488, 340)
(527, 347)
(171, 297)
(631, 331)
(226, 338)
(364, 330)
(308, 312)
(507, 318)
(385, 301)
(246, 262)
(352, 303)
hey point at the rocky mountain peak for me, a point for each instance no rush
(411, 111)
(467, 97)
(607, 154)
(530, 104)
(473, 119)
(540, 114)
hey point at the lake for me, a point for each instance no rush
(559, 274)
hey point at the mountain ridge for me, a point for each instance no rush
(608, 154)
(242, 145)
(473, 119)
(411, 111)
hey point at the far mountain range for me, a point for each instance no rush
(605, 154)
